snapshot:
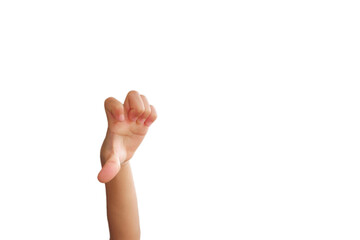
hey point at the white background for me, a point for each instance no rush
(257, 135)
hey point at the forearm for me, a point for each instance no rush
(122, 209)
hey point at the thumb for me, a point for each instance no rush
(109, 170)
(114, 109)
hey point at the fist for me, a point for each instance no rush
(128, 124)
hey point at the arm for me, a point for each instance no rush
(128, 124)
(122, 209)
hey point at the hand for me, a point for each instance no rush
(128, 124)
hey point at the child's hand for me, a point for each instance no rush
(127, 126)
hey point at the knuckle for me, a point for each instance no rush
(154, 115)
(147, 112)
(140, 110)
(153, 110)
(108, 101)
(133, 92)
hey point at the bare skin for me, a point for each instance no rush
(128, 124)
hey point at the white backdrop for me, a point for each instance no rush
(257, 135)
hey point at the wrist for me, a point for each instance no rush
(125, 163)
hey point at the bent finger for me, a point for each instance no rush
(146, 112)
(134, 106)
(152, 117)
(115, 108)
